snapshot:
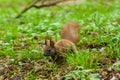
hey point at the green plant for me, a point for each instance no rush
(83, 58)
(78, 75)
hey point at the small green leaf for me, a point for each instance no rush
(20, 63)
(8, 37)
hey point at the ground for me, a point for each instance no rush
(22, 41)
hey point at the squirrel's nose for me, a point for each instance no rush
(45, 54)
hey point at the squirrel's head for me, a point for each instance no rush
(49, 49)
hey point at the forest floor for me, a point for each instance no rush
(22, 41)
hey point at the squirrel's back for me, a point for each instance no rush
(64, 45)
(70, 31)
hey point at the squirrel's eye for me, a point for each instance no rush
(49, 50)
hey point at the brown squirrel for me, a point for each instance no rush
(70, 36)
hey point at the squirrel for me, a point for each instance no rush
(69, 35)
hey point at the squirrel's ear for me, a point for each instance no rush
(46, 42)
(51, 42)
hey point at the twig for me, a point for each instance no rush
(50, 3)
(27, 8)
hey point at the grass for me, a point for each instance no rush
(19, 38)
(83, 58)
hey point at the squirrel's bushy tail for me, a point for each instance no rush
(70, 31)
